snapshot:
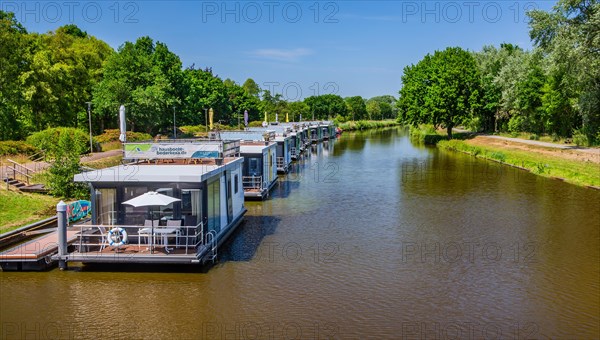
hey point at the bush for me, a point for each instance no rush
(10, 147)
(255, 123)
(516, 124)
(65, 166)
(112, 135)
(47, 140)
(580, 139)
(534, 136)
(192, 130)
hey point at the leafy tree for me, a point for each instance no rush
(64, 67)
(64, 167)
(203, 91)
(298, 109)
(145, 77)
(251, 87)
(14, 60)
(570, 37)
(326, 106)
(357, 110)
(443, 89)
(381, 107)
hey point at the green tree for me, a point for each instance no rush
(570, 37)
(298, 109)
(65, 66)
(14, 60)
(146, 78)
(64, 167)
(326, 106)
(251, 87)
(443, 89)
(357, 109)
(381, 107)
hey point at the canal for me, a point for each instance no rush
(369, 237)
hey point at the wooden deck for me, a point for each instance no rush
(36, 249)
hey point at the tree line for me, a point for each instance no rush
(50, 80)
(553, 89)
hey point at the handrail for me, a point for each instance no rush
(252, 182)
(19, 164)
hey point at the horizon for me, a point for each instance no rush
(296, 49)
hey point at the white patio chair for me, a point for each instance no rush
(147, 233)
(175, 223)
(103, 235)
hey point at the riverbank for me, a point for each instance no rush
(18, 209)
(367, 124)
(576, 165)
(569, 165)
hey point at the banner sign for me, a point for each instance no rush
(171, 151)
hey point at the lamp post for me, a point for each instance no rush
(206, 119)
(89, 109)
(174, 126)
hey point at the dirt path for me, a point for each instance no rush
(552, 149)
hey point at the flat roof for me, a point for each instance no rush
(175, 172)
(255, 147)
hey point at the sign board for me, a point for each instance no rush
(171, 151)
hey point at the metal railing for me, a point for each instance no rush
(280, 162)
(252, 182)
(94, 238)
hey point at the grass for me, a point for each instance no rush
(576, 172)
(104, 162)
(427, 134)
(19, 209)
(366, 124)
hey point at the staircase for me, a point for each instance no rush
(19, 176)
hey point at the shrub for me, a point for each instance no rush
(534, 136)
(580, 139)
(192, 130)
(516, 123)
(47, 140)
(112, 135)
(498, 156)
(65, 166)
(255, 123)
(10, 147)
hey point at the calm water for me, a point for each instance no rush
(370, 237)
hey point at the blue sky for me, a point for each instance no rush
(296, 48)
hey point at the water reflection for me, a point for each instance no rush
(377, 238)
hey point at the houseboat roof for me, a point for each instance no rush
(172, 171)
(254, 147)
(250, 135)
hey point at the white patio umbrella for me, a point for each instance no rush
(151, 199)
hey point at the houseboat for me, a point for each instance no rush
(202, 178)
(260, 171)
(283, 140)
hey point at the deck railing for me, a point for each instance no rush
(280, 162)
(94, 238)
(252, 182)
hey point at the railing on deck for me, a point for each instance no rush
(252, 182)
(280, 162)
(94, 238)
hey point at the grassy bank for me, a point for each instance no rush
(366, 124)
(576, 172)
(19, 209)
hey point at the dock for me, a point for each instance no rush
(36, 254)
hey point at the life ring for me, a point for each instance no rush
(117, 237)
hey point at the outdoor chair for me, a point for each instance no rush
(146, 232)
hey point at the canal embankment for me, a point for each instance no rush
(572, 164)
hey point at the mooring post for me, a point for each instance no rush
(61, 216)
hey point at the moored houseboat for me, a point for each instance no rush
(204, 178)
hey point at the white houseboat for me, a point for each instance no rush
(204, 178)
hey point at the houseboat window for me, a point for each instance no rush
(236, 183)
(133, 215)
(254, 167)
(191, 206)
(214, 205)
(167, 211)
(106, 206)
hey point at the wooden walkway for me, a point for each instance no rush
(36, 249)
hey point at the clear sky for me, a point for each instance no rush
(296, 48)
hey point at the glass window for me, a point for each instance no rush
(214, 205)
(106, 206)
(133, 215)
(191, 206)
(236, 183)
